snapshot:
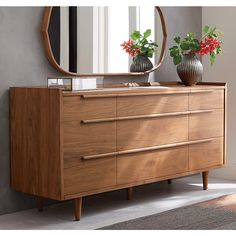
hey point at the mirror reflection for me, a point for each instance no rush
(88, 39)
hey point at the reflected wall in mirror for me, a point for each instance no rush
(87, 40)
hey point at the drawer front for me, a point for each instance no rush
(206, 155)
(206, 125)
(149, 132)
(151, 104)
(88, 139)
(147, 165)
(76, 108)
(207, 100)
(86, 175)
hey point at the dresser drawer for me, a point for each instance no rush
(207, 100)
(206, 155)
(147, 165)
(151, 104)
(206, 125)
(149, 132)
(86, 175)
(77, 108)
(87, 139)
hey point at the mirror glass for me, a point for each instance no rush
(88, 39)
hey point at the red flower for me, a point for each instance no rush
(130, 49)
(208, 45)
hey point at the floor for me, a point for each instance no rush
(109, 208)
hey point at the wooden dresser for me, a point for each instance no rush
(67, 145)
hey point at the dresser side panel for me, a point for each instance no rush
(36, 162)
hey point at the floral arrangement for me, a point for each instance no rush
(209, 44)
(139, 45)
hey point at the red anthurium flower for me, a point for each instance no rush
(128, 47)
(208, 45)
(139, 44)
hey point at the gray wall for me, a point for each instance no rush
(179, 21)
(224, 70)
(23, 63)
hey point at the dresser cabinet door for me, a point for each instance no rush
(207, 100)
(150, 132)
(77, 108)
(88, 138)
(151, 104)
(206, 125)
(153, 164)
(87, 175)
(206, 155)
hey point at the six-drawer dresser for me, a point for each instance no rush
(71, 144)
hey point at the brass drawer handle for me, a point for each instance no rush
(145, 149)
(144, 116)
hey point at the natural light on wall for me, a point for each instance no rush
(118, 31)
(147, 16)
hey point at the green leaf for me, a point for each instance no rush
(136, 35)
(150, 53)
(190, 35)
(184, 45)
(144, 41)
(177, 40)
(147, 33)
(153, 44)
(194, 45)
(214, 35)
(219, 50)
(177, 59)
(212, 31)
(174, 47)
(212, 57)
(174, 52)
(206, 29)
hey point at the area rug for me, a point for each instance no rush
(216, 214)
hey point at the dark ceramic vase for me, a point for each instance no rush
(190, 69)
(141, 64)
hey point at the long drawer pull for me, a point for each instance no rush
(144, 116)
(150, 93)
(145, 149)
(202, 91)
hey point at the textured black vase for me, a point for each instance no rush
(190, 69)
(141, 64)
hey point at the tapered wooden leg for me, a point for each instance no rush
(129, 193)
(205, 179)
(169, 181)
(78, 208)
(40, 204)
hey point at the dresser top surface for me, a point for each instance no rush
(163, 88)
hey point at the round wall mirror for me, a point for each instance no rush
(86, 41)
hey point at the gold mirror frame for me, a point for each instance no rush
(53, 62)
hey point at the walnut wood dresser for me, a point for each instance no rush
(67, 145)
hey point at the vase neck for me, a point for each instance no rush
(189, 56)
